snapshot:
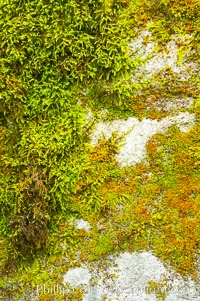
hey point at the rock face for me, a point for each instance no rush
(138, 276)
(130, 275)
(152, 61)
(128, 278)
(156, 60)
(77, 277)
(133, 276)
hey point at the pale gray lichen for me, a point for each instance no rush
(134, 148)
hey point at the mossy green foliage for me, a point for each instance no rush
(52, 53)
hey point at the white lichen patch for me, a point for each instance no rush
(77, 276)
(139, 47)
(139, 132)
(128, 277)
(154, 59)
(163, 59)
(134, 272)
(82, 224)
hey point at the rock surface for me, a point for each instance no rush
(128, 277)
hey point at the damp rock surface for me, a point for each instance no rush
(128, 277)
(138, 133)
